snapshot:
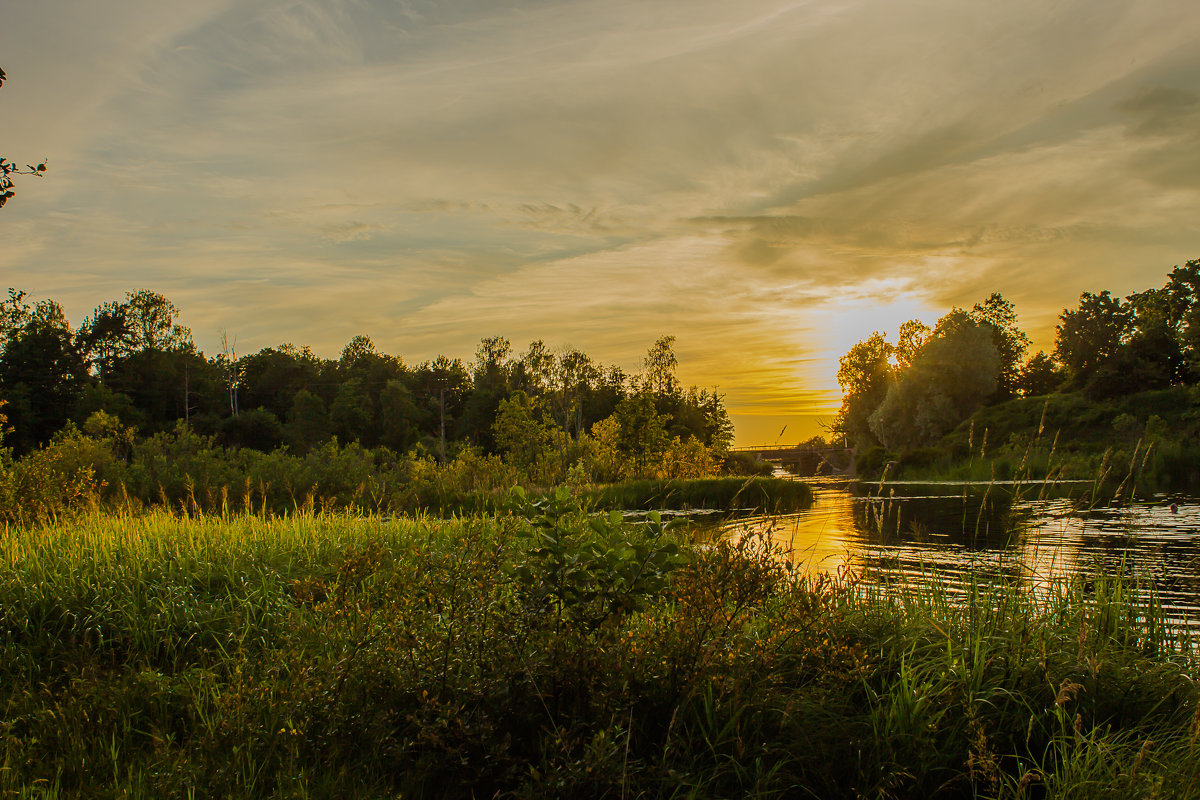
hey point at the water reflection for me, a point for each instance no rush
(954, 532)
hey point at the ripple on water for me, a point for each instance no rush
(920, 535)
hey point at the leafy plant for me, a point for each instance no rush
(590, 568)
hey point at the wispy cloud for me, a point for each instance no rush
(768, 180)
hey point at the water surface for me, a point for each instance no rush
(956, 532)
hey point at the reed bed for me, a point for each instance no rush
(766, 495)
(551, 653)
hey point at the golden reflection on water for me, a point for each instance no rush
(819, 540)
(1048, 546)
(1033, 544)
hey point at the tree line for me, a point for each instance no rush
(132, 365)
(908, 394)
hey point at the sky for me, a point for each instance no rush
(767, 181)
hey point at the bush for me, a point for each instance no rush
(870, 462)
(746, 464)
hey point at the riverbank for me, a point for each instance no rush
(189, 474)
(554, 654)
(1148, 441)
(765, 495)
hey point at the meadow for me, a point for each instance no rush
(549, 652)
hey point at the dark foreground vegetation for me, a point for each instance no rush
(1119, 394)
(551, 654)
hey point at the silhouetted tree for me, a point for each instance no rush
(272, 377)
(912, 335)
(1040, 375)
(950, 376)
(1091, 334)
(1010, 341)
(41, 370)
(865, 373)
(491, 377)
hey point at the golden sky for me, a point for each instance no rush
(768, 181)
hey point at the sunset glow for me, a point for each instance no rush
(768, 181)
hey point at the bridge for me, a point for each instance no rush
(803, 459)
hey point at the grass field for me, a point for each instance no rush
(552, 654)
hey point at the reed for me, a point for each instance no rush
(766, 495)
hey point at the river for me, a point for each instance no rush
(957, 532)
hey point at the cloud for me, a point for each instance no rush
(768, 180)
(350, 231)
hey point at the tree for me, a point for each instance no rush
(522, 431)
(137, 347)
(41, 370)
(442, 387)
(398, 416)
(574, 376)
(105, 337)
(700, 414)
(1090, 335)
(491, 375)
(659, 366)
(535, 369)
(1010, 341)
(353, 414)
(8, 169)
(153, 324)
(171, 385)
(642, 432)
(951, 375)
(912, 335)
(865, 373)
(1150, 359)
(1040, 375)
(491, 366)
(358, 350)
(272, 377)
(308, 422)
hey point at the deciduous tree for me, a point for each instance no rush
(865, 373)
(1091, 334)
(951, 375)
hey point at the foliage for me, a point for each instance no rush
(551, 418)
(865, 375)
(1106, 347)
(334, 656)
(1138, 443)
(586, 568)
(1040, 375)
(1092, 333)
(764, 494)
(1010, 341)
(106, 466)
(952, 374)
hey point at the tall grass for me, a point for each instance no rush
(190, 475)
(320, 655)
(768, 495)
